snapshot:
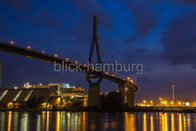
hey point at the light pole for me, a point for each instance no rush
(173, 86)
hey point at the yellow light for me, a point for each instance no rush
(29, 47)
(179, 103)
(67, 59)
(55, 55)
(106, 93)
(117, 90)
(151, 102)
(76, 62)
(9, 120)
(112, 74)
(187, 103)
(131, 81)
(11, 42)
(172, 102)
(84, 65)
(43, 52)
(59, 100)
(128, 78)
(10, 103)
(144, 101)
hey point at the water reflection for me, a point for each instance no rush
(172, 122)
(144, 122)
(24, 122)
(151, 123)
(81, 121)
(9, 121)
(38, 125)
(130, 123)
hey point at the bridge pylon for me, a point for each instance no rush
(130, 97)
(94, 87)
(127, 94)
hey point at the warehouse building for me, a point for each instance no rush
(15, 98)
(46, 96)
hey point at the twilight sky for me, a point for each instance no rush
(161, 34)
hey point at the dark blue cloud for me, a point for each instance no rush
(188, 2)
(179, 40)
(89, 8)
(184, 2)
(18, 5)
(145, 19)
(81, 25)
(43, 18)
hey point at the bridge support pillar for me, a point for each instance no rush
(130, 97)
(121, 88)
(94, 96)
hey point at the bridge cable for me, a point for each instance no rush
(111, 53)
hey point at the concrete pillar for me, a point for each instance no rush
(130, 97)
(0, 73)
(121, 88)
(94, 96)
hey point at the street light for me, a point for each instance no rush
(160, 101)
(11, 42)
(173, 86)
(172, 102)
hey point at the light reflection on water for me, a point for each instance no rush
(81, 121)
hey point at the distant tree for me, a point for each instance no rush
(54, 107)
(113, 101)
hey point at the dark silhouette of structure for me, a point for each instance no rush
(94, 87)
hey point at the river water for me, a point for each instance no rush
(80, 121)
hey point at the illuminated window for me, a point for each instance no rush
(18, 94)
(3, 94)
(27, 97)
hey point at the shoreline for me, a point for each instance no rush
(135, 109)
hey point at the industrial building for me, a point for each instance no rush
(47, 95)
(15, 98)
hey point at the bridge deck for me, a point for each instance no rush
(51, 59)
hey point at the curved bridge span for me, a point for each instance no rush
(126, 87)
(29, 53)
